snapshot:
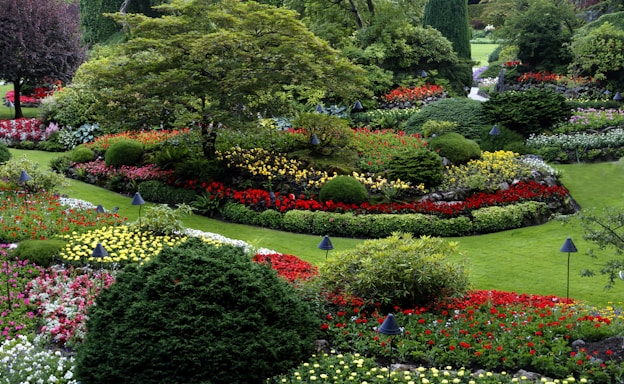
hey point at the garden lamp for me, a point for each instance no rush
(99, 209)
(618, 96)
(24, 177)
(357, 107)
(568, 247)
(138, 200)
(314, 140)
(423, 73)
(99, 252)
(495, 131)
(319, 109)
(621, 275)
(390, 327)
(326, 245)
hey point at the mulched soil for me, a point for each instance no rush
(605, 350)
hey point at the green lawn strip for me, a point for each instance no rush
(525, 260)
(481, 52)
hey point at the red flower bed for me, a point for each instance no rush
(403, 94)
(34, 98)
(260, 200)
(21, 129)
(289, 267)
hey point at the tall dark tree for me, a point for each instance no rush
(38, 39)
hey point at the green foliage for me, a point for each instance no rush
(239, 213)
(417, 166)
(451, 18)
(167, 156)
(383, 118)
(73, 107)
(437, 128)
(207, 204)
(5, 155)
(156, 191)
(542, 31)
(270, 218)
(190, 310)
(344, 189)
(40, 252)
(507, 140)
(266, 136)
(11, 171)
(398, 270)
(495, 219)
(82, 154)
(60, 164)
(463, 111)
(200, 170)
(332, 131)
(455, 147)
(124, 152)
(599, 53)
(532, 111)
(163, 220)
(51, 144)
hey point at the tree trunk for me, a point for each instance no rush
(209, 138)
(356, 12)
(17, 104)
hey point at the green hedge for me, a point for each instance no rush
(483, 220)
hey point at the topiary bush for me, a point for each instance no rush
(5, 155)
(40, 252)
(417, 166)
(467, 113)
(82, 154)
(155, 191)
(455, 147)
(528, 112)
(196, 313)
(124, 152)
(344, 189)
(397, 270)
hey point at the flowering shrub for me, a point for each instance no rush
(613, 138)
(97, 172)
(21, 129)
(592, 119)
(551, 78)
(147, 138)
(33, 99)
(376, 147)
(412, 94)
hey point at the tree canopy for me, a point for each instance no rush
(225, 62)
(38, 39)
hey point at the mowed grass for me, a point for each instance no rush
(9, 113)
(526, 260)
(481, 52)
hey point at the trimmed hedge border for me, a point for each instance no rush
(483, 220)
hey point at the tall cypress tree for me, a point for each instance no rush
(450, 17)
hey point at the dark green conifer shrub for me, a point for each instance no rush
(344, 189)
(531, 111)
(455, 147)
(507, 140)
(155, 191)
(417, 166)
(124, 152)
(467, 113)
(82, 154)
(196, 313)
(200, 170)
(5, 155)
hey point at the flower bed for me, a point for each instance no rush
(21, 130)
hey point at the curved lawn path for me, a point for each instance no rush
(525, 260)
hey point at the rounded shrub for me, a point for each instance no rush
(196, 313)
(397, 270)
(82, 154)
(467, 113)
(417, 166)
(124, 152)
(5, 155)
(455, 147)
(40, 252)
(344, 189)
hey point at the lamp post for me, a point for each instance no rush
(568, 246)
(314, 140)
(390, 328)
(138, 200)
(618, 96)
(357, 107)
(319, 109)
(495, 131)
(326, 245)
(99, 252)
(99, 208)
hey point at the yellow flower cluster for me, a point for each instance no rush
(122, 244)
(379, 184)
(493, 168)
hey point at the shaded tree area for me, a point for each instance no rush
(204, 63)
(38, 39)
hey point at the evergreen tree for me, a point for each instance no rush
(451, 18)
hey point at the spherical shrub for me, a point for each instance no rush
(124, 152)
(40, 252)
(5, 155)
(196, 313)
(398, 270)
(343, 189)
(417, 166)
(455, 147)
(82, 154)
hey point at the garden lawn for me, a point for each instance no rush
(9, 113)
(525, 260)
(481, 52)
